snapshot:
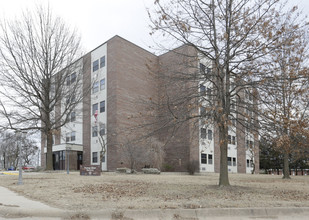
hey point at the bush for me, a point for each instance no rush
(168, 168)
(192, 167)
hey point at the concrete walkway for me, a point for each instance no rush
(15, 206)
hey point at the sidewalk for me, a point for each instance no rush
(15, 206)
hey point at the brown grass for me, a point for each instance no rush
(165, 191)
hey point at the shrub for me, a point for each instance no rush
(192, 167)
(168, 167)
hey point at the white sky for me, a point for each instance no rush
(99, 20)
(96, 20)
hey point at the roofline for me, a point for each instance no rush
(117, 36)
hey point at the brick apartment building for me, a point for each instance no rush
(122, 77)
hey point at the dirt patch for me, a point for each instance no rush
(165, 191)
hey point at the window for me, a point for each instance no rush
(251, 163)
(94, 108)
(102, 84)
(102, 106)
(229, 161)
(68, 80)
(234, 161)
(67, 137)
(102, 129)
(95, 131)
(229, 139)
(210, 135)
(250, 96)
(202, 89)
(233, 122)
(202, 111)
(94, 157)
(233, 106)
(95, 87)
(73, 116)
(103, 158)
(202, 68)
(209, 158)
(70, 99)
(95, 65)
(61, 155)
(247, 126)
(67, 100)
(233, 86)
(233, 140)
(70, 136)
(251, 144)
(102, 61)
(208, 92)
(203, 133)
(73, 136)
(52, 88)
(73, 99)
(208, 70)
(248, 163)
(246, 94)
(204, 158)
(73, 78)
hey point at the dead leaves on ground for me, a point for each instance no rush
(113, 191)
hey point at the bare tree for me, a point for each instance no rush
(40, 74)
(224, 39)
(143, 152)
(9, 150)
(285, 92)
(30, 149)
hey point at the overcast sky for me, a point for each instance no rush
(99, 20)
(96, 20)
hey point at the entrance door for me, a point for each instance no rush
(56, 160)
(79, 159)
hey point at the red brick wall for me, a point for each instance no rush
(241, 144)
(130, 82)
(182, 145)
(86, 109)
(43, 155)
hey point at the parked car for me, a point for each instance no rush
(11, 168)
(28, 168)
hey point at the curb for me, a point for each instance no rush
(11, 212)
(203, 213)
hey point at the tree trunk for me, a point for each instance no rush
(253, 167)
(223, 178)
(49, 157)
(286, 173)
(4, 165)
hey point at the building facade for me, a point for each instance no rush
(119, 80)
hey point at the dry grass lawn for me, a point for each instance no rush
(165, 191)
